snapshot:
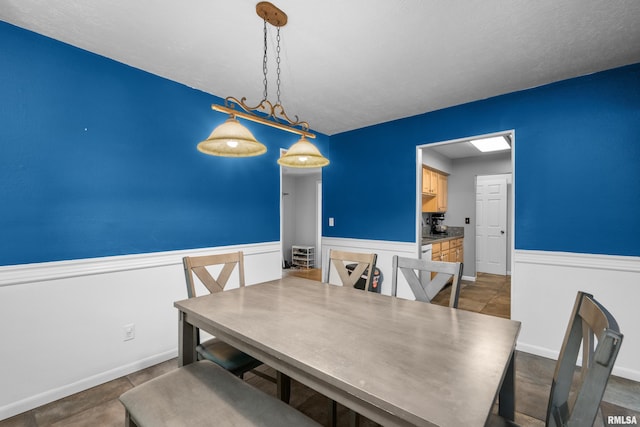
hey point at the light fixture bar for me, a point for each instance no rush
(261, 120)
(232, 139)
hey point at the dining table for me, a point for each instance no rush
(395, 361)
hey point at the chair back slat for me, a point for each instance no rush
(423, 287)
(207, 280)
(589, 323)
(414, 283)
(198, 266)
(363, 261)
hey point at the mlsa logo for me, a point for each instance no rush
(621, 419)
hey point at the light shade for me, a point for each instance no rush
(231, 139)
(496, 143)
(303, 154)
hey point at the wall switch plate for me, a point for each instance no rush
(466, 220)
(331, 222)
(129, 332)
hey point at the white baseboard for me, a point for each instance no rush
(83, 384)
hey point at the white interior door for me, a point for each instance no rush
(491, 224)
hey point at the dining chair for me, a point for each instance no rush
(363, 262)
(574, 400)
(424, 285)
(215, 350)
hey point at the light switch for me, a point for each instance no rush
(330, 222)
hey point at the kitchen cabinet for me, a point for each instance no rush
(435, 252)
(429, 181)
(456, 253)
(449, 251)
(302, 256)
(441, 195)
(434, 190)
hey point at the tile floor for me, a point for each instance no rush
(489, 294)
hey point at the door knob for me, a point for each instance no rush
(501, 231)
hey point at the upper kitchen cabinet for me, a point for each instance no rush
(441, 196)
(429, 181)
(434, 190)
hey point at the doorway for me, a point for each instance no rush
(300, 213)
(462, 162)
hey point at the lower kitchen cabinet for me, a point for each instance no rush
(456, 253)
(448, 251)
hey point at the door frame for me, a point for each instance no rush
(318, 222)
(318, 252)
(511, 133)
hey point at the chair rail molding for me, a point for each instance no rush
(46, 271)
(569, 259)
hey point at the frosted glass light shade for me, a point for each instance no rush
(231, 139)
(303, 154)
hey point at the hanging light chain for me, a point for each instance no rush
(278, 66)
(264, 63)
(265, 108)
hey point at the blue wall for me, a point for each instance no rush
(99, 159)
(577, 165)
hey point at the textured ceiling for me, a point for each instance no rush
(349, 64)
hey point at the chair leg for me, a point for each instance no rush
(128, 422)
(354, 418)
(333, 413)
(284, 386)
(506, 401)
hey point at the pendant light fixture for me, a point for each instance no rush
(232, 139)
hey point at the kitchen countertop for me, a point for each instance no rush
(452, 233)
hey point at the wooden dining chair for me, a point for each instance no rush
(574, 400)
(219, 352)
(364, 262)
(215, 350)
(424, 285)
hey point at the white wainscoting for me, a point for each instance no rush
(543, 291)
(61, 323)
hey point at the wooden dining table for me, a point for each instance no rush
(395, 361)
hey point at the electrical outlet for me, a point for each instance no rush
(129, 332)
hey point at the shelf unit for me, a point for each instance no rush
(302, 256)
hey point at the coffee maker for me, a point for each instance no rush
(436, 226)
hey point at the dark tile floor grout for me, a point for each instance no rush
(489, 294)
